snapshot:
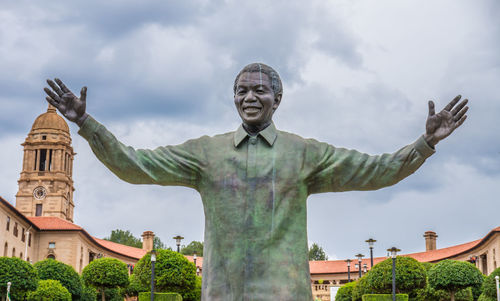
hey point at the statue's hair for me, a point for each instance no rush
(259, 67)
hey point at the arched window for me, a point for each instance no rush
(5, 249)
(51, 256)
(13, 252)
(8, 223)
(21, 255)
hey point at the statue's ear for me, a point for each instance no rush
(277, 101)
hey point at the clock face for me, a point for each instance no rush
(39, 193)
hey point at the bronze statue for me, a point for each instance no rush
(254, 183)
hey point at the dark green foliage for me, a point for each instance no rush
(477, 290)
(192, 247)
(124, 238)
(195, 294)
(51, 290)
(489, 286)
(345, 292)
(111, 294)
(384, 297)
(360, 288)
(21, 274)
(173, 273)
(453, 275)
(105, 273)
(146, 296)
(483, 297)
(56, 270)
(134, 288)
(317, 253)
(410, 276)
(88, 294)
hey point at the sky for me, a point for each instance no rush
(356, 74)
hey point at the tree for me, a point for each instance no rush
(50, 290)
(345, 292)
(21, 274)
(317, 253)
(105, 273)
(410, 277)
(158, 244)
(65, 274)
(192, 247)
(489, 284)
(124, 238)
(173, 273)
(453, 275)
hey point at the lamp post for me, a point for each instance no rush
(394, 251)
(360, 257)
(370, 242)
(178, 239)
(365, 268)
(348, 269)
(153, 260)
(197, 271)
(498, 287)
(194, 258)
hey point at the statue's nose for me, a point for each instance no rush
(250, 97)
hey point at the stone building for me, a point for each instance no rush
(40, 225)
(482, 252)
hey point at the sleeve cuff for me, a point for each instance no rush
(423, 148)
(88, 128)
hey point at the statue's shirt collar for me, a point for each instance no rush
(269, 134)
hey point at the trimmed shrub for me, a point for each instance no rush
(489, 284)
(51, 290)
(134, 288)
(453, 275)
(146, 296)
(105, 273)
(345, 292)
(21, 274)
(360, 288)
(483, 297)
(88, 294)
(56, 270)
(384, 297)
(173, 273)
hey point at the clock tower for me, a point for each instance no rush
(45, 183)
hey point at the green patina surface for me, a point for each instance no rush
(254, 192)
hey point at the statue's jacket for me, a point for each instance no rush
(254, 191)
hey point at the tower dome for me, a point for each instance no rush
(50, 120)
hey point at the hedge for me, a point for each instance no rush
(489, 284)
(345, 292)
(56, 270)
(146, 296)
(384, 297)
(21, 274)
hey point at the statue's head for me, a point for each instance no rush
(257, 94)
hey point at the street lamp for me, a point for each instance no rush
(197, 271)
(360, 257)
(394, 251)
(370, 242)
(365, 268)
(348, 269)
(178, 239)
(153, 260)
(194, 258)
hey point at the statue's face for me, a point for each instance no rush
(254, 98)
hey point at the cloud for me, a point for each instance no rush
(162, 72)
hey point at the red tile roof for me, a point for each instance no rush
(199, 260)
(439, 254)
(121, 249)
(53, 223)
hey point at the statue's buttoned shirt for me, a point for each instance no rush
(254, 191)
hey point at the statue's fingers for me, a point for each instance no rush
(431, 108)
(55, 87)
(459, 115)
(51, 93)
(52, 101)
(83, 94)
(453, 103)
(62, 85)
(459, 123)
(459, 107)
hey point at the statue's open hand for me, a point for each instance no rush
(442, 124)
(72, 107)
